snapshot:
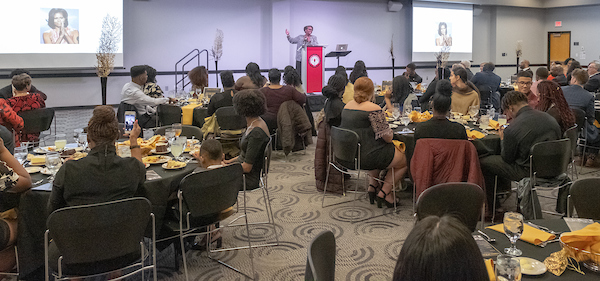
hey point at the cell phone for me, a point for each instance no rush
(129, 120)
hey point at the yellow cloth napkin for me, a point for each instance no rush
(530, 234)
(419, 117)
(475, 134)
(489, 265)
(494, 124)
(399, 145)
(187, 113)
(587, 238)
(596, 124)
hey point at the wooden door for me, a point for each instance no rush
(559, 46)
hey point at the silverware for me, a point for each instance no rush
(487, 238)
(548, 242)
(543, 228)
(38, 182)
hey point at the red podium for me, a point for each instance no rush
(313, 69)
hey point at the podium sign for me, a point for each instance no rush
(313, 70)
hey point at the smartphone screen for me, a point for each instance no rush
(129, 120)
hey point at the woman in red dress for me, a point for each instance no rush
(23, 101)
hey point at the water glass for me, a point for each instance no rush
(513, 228)
(53, 162)
(76, 133)
(21, 154)
(396, 113)
(473, 111)
(484, 121)
(123, 151)
(178, 146)
(170, 135)
(148, 133)
(507, 268)
(502, 119)
(82, 141)
(408, 109)
(60, 141)
(178, 128)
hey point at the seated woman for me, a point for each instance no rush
(252, 80)
(151, 88)
(349, 89)
(464, 93)
(439, 127)
(251, 104)
(14, 179)
(23, 101)
(292, 78)
(277, 94)
(400, 90)
(553, 102)
(198, 77)
(376, 148)
(101, 176)
(440, 248)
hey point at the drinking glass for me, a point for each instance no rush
(484, 121)
(60, 141)
(405, 120)
(170, 135)
(473, 111)
(502, 119)
(177, 127)
(178, 147)
(491, 112)
(82, 141)
(513, 228)
(76, 133)
(21, 154)
(53, 162)
(507, 268)
(407, 109)
(396, 113)
(148, 133)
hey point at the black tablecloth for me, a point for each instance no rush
(539, 253)
(32, 214)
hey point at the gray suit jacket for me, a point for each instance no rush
(578, 97)
(593, 85)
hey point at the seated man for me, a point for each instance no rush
(133, 93)
(524, 82)
(411, 74)
(524, 66)
(541, 74)
(224, 98)
(593, 84)
(9, 91)
(559, 76)
(578, 97)
(527, 127)
(487, 79)
(275, 95)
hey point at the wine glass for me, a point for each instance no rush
(507, 268)
(82, 141)
(513, 228)
(396, 113)
(21, 154)
(407, 109)
(502, 119)
(53, 162)
(177, 127)
(405, 120)
(60, 141)
(178, 147)
(473, 111)
(76, 133)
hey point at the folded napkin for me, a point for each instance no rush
(475, 134)
(494, 124)
(399, 145)
(596, 124)
(489, 265)
(419, 117)
(587, 238)
(530, 234)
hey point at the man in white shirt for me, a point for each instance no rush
(133, 93)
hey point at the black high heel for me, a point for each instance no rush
(373, 194)
(381, 200)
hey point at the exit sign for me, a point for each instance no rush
(558, 23)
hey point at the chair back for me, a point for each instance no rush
(461, 199)
(267, 161)
(550, 159)
(585, 195)
(168, 114)
(186, 131)
(125, 107)
(209, 192)
(37, 120)
(320, 263)
(97, 232)
(580, 118)
(228, 119)
(572, 134)
(344, 144)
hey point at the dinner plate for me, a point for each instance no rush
(164, 152)
(397, 123)
(531, 266)
(393, 126)
(165, 167)
(487, 128)
(43, 149)
(33, 170)
(163, 159)
(45, 171)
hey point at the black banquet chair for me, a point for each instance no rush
(320, 261)
(97, 239)
(37, 120)
(168, 114)
(461, 199)
(186, 131)
(230, 123)
(584, 196)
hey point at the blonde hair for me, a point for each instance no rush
(21, 81)
(363, 89)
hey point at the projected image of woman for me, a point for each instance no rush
(443, 39)
(60, 33)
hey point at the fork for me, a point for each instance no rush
(543, 228)
(548, 242)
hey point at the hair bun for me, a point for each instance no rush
(444, 87)
(104, 114)
(329, 92)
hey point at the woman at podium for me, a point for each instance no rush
(302, 41)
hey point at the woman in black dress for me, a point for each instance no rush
(251, 105)
(439, 127)
(376, 148)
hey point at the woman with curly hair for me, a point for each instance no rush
(251, 104)
(360, 70)
(252, 80)
(553, 102)
(198, 77)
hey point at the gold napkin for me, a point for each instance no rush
(494, 124)
(399, 145)
(557, 262)
(596, 124)
(587, 238)
(419, 117)
(475, 134)
(530, 234)
(489, 265)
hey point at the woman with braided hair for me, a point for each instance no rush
(553, 102)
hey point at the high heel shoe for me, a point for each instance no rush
(381, 200)
(373, 194)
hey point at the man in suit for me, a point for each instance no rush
(488, 80)
(578, 97)
(593, 84)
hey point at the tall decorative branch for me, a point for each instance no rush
(442, 59)
(217, 51)
(108, 46)
(392, 54)
(519, 52)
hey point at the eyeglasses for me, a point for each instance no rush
(525, 83)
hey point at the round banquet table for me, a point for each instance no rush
(33, 213)
(540, 254)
